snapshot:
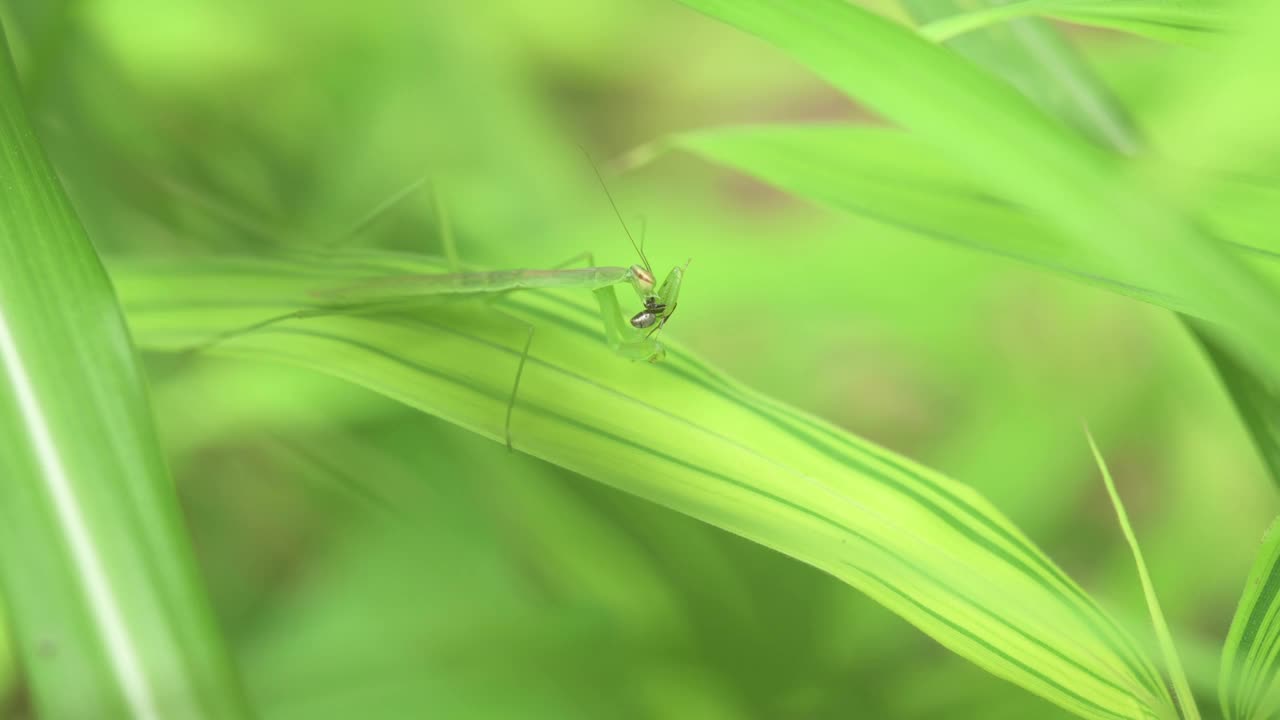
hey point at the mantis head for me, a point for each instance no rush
(659, 304)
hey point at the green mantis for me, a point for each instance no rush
(630, 337)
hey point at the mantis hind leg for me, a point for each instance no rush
(586, 257)
(515, 388)
(449, 244)
(222, 337)
(447, 241)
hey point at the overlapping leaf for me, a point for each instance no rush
(1186, 21)
(1251, 658)
(1012, 148)
(896, 178)
(1032, 56)
(904, 180)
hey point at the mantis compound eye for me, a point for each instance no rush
(643, 277)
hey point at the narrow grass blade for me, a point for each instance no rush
(1182, 689)
(1032, 56)
(1090, 194)
(681, 434)
(1185, 21)
(1250, 667)
(101, 590)
(1256, 402)
(1216, 116)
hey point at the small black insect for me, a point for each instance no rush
(649, 315)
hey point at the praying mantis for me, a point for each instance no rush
(629, 337)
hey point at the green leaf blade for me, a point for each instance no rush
(1186, 699)
(107, 609)
(682, 435)
(1247, 679)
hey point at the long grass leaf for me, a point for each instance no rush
(893, 177)
(1001, 137)
(1250, 666)
(681, 434)
(1034, 60)
(102, 593)
(1215, 116)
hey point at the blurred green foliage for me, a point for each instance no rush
(364, 558)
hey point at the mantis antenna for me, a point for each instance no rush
(638, 248)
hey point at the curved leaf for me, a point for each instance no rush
(1247, 682)
(681, 434)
